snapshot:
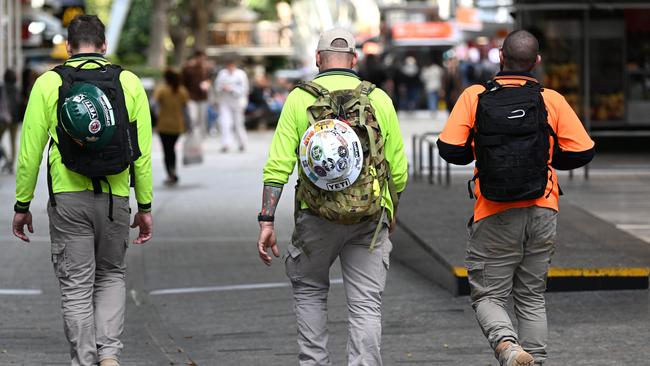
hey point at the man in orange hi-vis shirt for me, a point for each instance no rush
(518, 133)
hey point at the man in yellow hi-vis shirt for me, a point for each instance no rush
(97, 119)
(347, 198)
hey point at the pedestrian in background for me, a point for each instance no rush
(231, 86)
(11, 105)
(373, 70)
(518, 133)
(88, 209)
(409, 73)
(452, 83)
(350, 224)
(432, 76)
(196, 76)
(171, 101)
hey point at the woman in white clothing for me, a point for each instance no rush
(232, 87)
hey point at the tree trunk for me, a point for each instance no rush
(179, 38)
(201, 15)
(156, 56)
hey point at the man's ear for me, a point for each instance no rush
(538, 60)
(318, 59)
(501, 61)
(68, 48)
(355, 59)
(103, 48)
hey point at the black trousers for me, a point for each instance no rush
(168, 142)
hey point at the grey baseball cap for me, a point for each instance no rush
(327, 37)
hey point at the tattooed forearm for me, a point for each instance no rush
(270, 198)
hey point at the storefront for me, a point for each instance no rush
(597, 54)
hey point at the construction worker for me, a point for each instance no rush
(96, 117)
(345, 136)
(518, 133)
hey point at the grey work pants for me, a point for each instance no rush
(509, 253)
(88, 256)
(316, 244)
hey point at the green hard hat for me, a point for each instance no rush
(87, 116)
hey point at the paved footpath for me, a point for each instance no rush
(198, 294)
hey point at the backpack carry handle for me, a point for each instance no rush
(81, 65)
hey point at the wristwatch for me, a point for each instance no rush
(265, 218)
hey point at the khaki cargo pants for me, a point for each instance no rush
(88, 256)
(510, 253)
(316, 244)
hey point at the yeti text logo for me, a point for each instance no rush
(338, 185)
(91, 108)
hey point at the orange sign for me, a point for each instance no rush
(422, 30)
(467, 18)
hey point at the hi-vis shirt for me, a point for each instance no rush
(40, 123)
(576, 147)
(293, 123)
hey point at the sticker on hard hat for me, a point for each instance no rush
(316, 153)
(94, 126)
(331, 155)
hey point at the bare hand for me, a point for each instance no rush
(18, 225)
(267, 239)
(144, 221)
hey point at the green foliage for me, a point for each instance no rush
(266, 8)
(134, 39)
(274, 63)
(102, 8)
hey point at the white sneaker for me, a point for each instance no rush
(514, 355)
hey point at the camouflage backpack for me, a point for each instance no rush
(360, 202)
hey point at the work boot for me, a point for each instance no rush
(511, 354)
(109, 362)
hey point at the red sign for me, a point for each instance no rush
(422, 30)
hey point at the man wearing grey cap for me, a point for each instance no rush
(363, 246)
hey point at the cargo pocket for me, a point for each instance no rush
(292, 262)
(59, 260)
(386, 248)
(476, 278)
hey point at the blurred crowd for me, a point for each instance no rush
(220, 91)
(426, 83)
(205, 98)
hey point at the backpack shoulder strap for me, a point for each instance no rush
(490, 86)
(63, 70)
(65, 73)
(365, 88)
(361, 94)
(321, 94)
(313, 89)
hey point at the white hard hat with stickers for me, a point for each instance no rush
(331, 155)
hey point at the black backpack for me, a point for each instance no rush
(123, 149)
(512, 142)
(120, 153)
